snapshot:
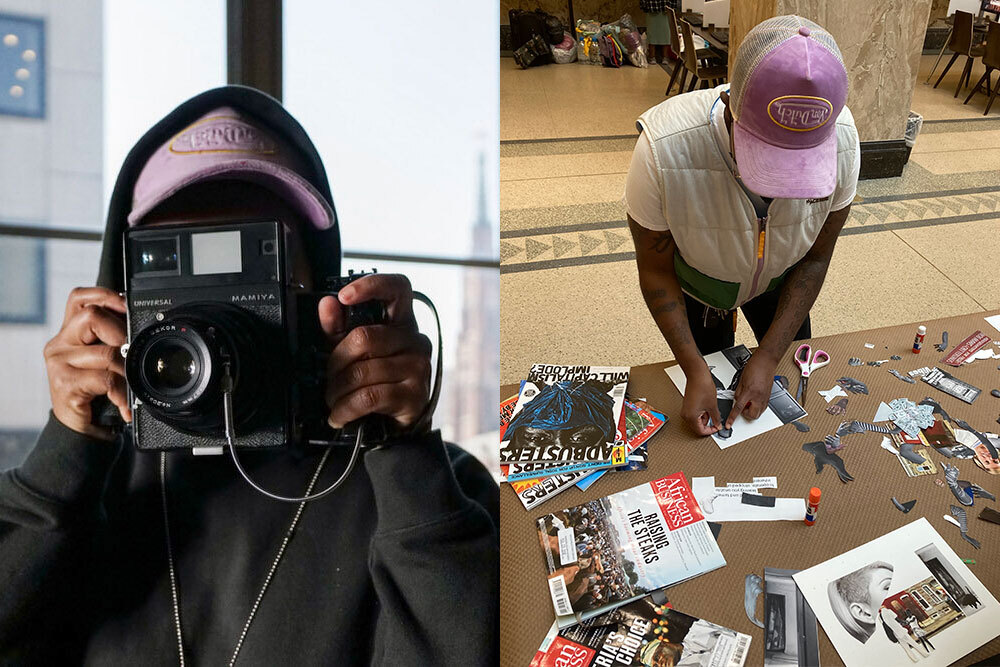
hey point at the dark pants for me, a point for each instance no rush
(717, 333)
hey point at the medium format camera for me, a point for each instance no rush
(215, 306)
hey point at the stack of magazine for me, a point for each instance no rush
(569, 425)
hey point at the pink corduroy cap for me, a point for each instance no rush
(788, 86)
(225, 144)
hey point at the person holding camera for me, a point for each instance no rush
(118, 546)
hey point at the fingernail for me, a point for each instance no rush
(334, 424)
(346, 293)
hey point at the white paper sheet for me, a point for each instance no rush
(994, 321)
(726, 503)
(882, 414)
(742, 429)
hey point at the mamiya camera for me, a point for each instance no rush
(215, 306)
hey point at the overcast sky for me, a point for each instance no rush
(398, 102)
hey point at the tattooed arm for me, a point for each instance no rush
(802, 286)
(654, 255)
(797, 295)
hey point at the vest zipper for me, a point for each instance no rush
(761, 234)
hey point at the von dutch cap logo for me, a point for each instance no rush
(222, 134)
(800, 113)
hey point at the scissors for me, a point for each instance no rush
(808, 361)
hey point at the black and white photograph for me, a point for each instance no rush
(791, 635)
(901, 599)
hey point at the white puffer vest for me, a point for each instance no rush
(725, 256)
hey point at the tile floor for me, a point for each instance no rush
(921, 246)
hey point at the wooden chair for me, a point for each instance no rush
(706, 73)
(991, 58)
(961, 44)
(675, 46)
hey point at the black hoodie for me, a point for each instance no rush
(399, 566)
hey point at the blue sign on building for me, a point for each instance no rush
(22, 66)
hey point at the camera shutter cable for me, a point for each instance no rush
(227, 407)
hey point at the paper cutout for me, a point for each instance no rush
(907, 452)
(870, 346)
(854, 361)
(895, 357)
(878, 363)
(963, 525)
(800, 427)
(963, 490)
(886, 444)
(995, 393)
(823, 458)
(831, 394)
(911, 417)
(943, 345)
(852, 385)
(882, 414)
(914, 469)
(903, 507)
(991, 515)
(757, 500)
(838, 408)
(752, 588)
(994, 321)
(907, 380)
(951, 519)
(920, 372)
(725, 503)
(984, 353)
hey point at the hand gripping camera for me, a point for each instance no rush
(214, 310)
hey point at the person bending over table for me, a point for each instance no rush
(735, 198)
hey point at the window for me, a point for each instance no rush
(23, 276)
(407, 128)
(22, 66)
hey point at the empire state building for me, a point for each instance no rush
(475, 390)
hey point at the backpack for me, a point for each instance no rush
(553, 29)
(524, 25)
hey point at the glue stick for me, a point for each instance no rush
(813, 507)
(918, 341)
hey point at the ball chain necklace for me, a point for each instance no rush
(175, 591)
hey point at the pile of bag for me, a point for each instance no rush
(611, 44)
(538, 38)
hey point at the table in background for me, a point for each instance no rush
(850, 514)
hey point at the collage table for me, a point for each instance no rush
(850, 513)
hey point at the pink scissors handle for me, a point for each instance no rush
(802, 360)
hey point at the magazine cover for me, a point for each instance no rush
(612, 550)
(566, 414)
(903, 598)
(533, 491)
(619, 456)
(643, 633)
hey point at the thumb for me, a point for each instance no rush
(713, 412)
(332, 317)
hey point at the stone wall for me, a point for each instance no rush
(604, 11)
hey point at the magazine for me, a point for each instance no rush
(567, 414)
(643, 633)
(903, 598)
(641, 424)
(619, 456)
(615, 549)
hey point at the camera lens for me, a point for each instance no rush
(170, 367)
(175, 366)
